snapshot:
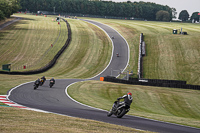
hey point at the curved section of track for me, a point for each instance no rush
(55, 99)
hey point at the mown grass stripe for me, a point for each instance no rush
(165, 104)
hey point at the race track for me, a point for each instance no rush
(56, 100)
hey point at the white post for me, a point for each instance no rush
(181, 30)
(127, 75)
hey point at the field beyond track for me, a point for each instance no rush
(168, 56)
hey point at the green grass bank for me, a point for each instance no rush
(20, 120)
(180, 106)
(168, 56)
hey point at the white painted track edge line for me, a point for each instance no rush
(66, 91)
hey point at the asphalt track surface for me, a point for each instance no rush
(9, 22)
(56, 100)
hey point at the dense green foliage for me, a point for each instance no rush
(8, 7)
(184, 15)
(144, 10)
(162, 16)
(195, 16)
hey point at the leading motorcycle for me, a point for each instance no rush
(42, 82)
(119, 109)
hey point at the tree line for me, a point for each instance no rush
(8, 7)
(184, 16)
(140, 10)
(144, 10)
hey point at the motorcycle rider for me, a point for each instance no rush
(117, 54)
(52, 79)
(37, 82)
(43, 79)
(51, 82)
(127, 100)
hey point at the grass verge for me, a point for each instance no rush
(87, 55)
(19, 120)
(179, 106)
(28, 42)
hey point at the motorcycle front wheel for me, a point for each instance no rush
(121, 113)
(109, 113)
(35, 87)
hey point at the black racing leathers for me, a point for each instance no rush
(52, 80)
(37, 82)
(127, 99)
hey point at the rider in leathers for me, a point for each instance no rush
(127, 100)
(52, 79)
(37, 82)
(43, 78)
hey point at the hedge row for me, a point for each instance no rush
(154, 82)
(50, 64)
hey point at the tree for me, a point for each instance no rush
(195, 16)
(184, 15)
(2, 16)
(174, 13)
(142, 10)
(162, 16)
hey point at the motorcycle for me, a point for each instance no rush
(119, 111)
(36, 86)
(51, 83)
(42, 82)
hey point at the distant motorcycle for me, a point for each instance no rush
(119, 111)
(36, 86)
(117, 54)
(51, 83)
(41, 82)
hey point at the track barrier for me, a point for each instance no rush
(153, 82)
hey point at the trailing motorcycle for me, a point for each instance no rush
(119, 109)
(51, 83)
